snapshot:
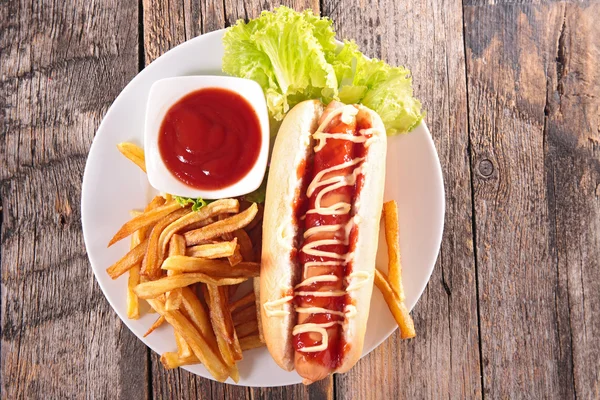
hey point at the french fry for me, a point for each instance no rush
(143, 220)
(194, 310)
(233, 290)
(236, 257)
(257, 219)
(133, 257)
(134, 153)
(212, 250)
(171, 360)
(219, 228)
(205, 353)
(222, 323)
(159, 321)
(243, 302)
(183, 348)
(215, 268)
(176, 247)
(226, 235)
(244, 315)
(133, 306)
(397, 307)
(154, 257)
(152, 289)
(245, 244)
(234, 373)
(251, 342)
(247, 329)
(392, 238)
(203, 214)
(256, 287)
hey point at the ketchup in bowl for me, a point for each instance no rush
(210, 138)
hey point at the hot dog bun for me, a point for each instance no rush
(280, 269)
(290, 150)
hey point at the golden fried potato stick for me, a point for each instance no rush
(172, 360)
(219, 228)
(236, 257)
(183, 348)
(397, 307)
(214, 268)
(247, 329)
(227, 340)
(202, 350)
(204, 214)
(159, 321)
(244, 315)
(251, 342)
(176, 247)
(144, 219)
(134, 153)
(243, 302)
(212, 250)
(133, 257)
(195, 311)
(154, 256)
(133, 305)
(152, 289)
(392, 238)
(245, 244)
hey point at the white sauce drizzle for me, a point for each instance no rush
(317, 328)
(270, 307)
(358, 279)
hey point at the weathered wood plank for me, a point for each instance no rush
(572, 135)
(62, 66)
(536, 232)
(443, 360)
(165, 26)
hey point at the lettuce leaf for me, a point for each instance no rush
(196, 203)
(285, 52)
(294, 57)
(379, 86)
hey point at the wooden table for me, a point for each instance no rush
(512, 93)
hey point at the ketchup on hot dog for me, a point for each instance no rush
(320, 298)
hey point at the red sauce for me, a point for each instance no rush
(335, 152)
(210, 139)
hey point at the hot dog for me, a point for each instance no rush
(320, 233)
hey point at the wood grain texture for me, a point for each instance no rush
(62, 66)
(167, 24)
(443, 360)
(572, 158)
(533, 111)
(514, 109)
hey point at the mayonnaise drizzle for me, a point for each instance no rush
(357, 279)
(270, 307)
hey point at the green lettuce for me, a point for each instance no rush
(379, 86)
(294, 57)
(285, 52)
(196, 203)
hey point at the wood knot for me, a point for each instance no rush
(486, 167)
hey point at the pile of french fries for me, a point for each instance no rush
(188, 265)
(390, 285)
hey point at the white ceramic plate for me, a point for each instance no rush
(112, 186)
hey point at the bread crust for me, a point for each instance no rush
(277, 280)
(276, 274)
